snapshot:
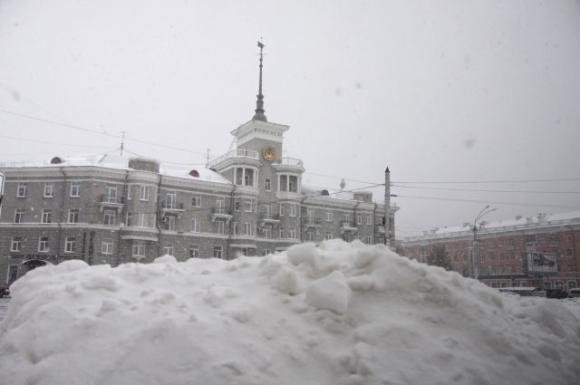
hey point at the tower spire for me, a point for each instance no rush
(259, 115)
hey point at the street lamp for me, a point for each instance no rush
(475, 245)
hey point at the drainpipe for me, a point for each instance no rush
(301, 221)
(375, 223)
(123, 217)
(158, 219)
(355, 219)
(60, 214)
(231, 224)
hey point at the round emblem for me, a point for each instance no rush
(268, 153)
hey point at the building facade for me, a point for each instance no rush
(541, 251)
(113, 209)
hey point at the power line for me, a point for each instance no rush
(490, 202)
(84, 129)
(486, 190)
(48, 142)
(491, 181)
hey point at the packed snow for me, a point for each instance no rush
(336, 313)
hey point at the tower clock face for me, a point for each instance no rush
(268, 153)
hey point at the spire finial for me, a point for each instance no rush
(259, 115)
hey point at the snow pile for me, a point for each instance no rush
(334, 314)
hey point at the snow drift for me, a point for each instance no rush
(337, 313)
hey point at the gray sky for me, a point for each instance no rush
(459, 91)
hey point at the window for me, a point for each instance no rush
(196, 201)
(111, 194)
(283, 185)
(218, 252)
(171, 200)
(369, 221)
(346, 217)
(129, 192)
(107, 247)
(75, 190)
(267, 209)
(235, 228)
(194, 251)
(267, 232)
(219, 206)
(329, 235)
(244, 176)
(267, 184)
(144, 192)
(194, 225)
(293, 183)
(73, 216)
(248, 230)
(21, 190)
(248, 205)
(43, 245)
(16, 244)
(267, 251)
(18, 215)
(281, 210)
(109, 217)
(310, 235)
(282, 234)
(359, 219)
(69, 245)
(329, 217)
(220, 227)
(171, 221)
(293, 234)
(46, 216)
(248, 177)
(138, 250)
(237, 205)
(48, 190)
(168, 250)
(293, 210)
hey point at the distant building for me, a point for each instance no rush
(542, 251)
(114, 209)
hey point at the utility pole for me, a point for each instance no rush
(387, 205)
(475, 244)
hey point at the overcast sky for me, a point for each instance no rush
(446, 91)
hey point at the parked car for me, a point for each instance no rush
(4, 292)
(574, 293)
(524, 291)
(556, 293)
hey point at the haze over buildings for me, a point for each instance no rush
(467, 91)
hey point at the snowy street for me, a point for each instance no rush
(3, 307)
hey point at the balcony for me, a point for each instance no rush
(348, 226)
(172, 207)
(270, 218)
(289, 164)
(219, 213)
(239, 155)
(110, 201)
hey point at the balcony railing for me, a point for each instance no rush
(237, 153)
(290, 162)
(172, 206)
(270, 218)
(348, 226)
(220, 213)
(111, 199)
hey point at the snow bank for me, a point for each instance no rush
(334, 314)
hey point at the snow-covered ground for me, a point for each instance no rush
(334, 314)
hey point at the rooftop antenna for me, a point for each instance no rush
(259, 115)
(122, 142)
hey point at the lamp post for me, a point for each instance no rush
(475, 245)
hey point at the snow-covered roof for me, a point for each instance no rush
(115, 160)
(519, 222)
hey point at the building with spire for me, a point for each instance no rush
(114, 208)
